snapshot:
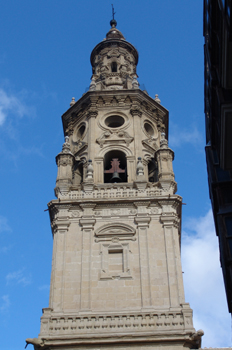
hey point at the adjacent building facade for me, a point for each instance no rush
(218, 119)
(116, 271)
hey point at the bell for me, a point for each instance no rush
(115, 178)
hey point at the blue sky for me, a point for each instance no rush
(44, 62)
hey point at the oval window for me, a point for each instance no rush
(149, 129)
(81, 131)
(114, 121)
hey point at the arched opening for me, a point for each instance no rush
(78, 173)
(114, 67)
(115, 167)
(152, 171)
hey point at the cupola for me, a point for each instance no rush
(114, 62)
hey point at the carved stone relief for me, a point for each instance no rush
(114, 137)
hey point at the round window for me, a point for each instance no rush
(114, 121)
(149, 129)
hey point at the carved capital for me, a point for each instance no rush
(87, 224)
(92, 113)
(88, 209)
(170, 219)
(60, 226)
(142, 221)
(136, 110)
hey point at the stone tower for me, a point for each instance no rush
(116, 271)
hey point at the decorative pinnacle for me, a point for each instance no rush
(72, 102)
(157, 98)
(163, 141)
(139, 167)
(113, 22)
(66, 145)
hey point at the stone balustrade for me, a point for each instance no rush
(115, 192)
(124, 323)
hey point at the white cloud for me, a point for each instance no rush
(5, 303)
(12, 104)
(5, 249)
(4, 224)
(179, 136)
(18, 277)
(204, 286)
(45, 287)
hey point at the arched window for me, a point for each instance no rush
(115, 167)
(152, 171)
(78, 173)
(113, 67)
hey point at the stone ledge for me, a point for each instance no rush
(52, 325)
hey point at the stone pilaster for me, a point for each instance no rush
(142, 220)
(87, 223)
(60, 226)
(170, 223)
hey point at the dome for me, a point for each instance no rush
(114, 33)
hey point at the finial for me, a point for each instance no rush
(66, 145)
(139, 167)
(72, 102)
(89, 174)
(113, 22)
(163, 141)
(135, 84)
(92, 86)
(157, 98)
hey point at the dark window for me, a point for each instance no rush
(114, 121)
(115, 167)
(78, 173)
(152, 171)
(114, 67)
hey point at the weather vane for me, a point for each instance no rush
(113, 13)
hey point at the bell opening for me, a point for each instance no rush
(115, 167)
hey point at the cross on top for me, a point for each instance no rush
(113, 13)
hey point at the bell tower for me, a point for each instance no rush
(116, 277)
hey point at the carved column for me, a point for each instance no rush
(87, 222)
(92, 114)
(131, 170)
(136, 114)
(142, 220)
(99, 172)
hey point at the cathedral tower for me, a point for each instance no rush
(116, 271)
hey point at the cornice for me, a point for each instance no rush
(89, 101)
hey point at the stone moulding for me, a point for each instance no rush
(125, 323)
(154, 110)
(115, 230)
